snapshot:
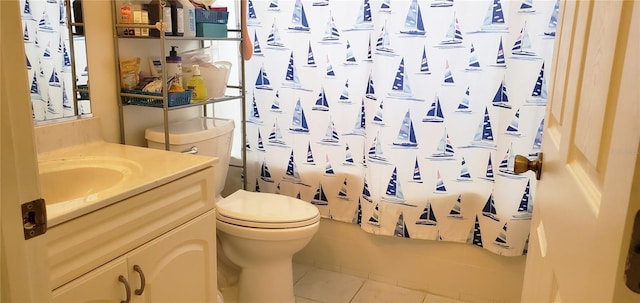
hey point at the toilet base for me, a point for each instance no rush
(268, 283)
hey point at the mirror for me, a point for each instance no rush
(56, 59)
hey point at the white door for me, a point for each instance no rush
(589, 191)
(25, 276)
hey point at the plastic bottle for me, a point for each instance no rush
(197, 86)
(189, 18)
(174, 64)
(177, 18)
(154, 16)
(126, 16)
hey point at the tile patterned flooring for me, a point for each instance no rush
(313, 285)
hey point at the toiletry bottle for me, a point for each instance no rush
(189, 18)
(197, 86)
(174, 64)
(177, 18)
(155, 12)
(126, 16)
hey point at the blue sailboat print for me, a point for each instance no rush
(51, 110)
(539, 92)
(424, 63)
(310, 160)
(328, 168)
(375, 216)
(66, 60)
(474, 64)
(349, 59)
(330, 72)
(45, 24)
(254, 116)
(344, 96)
(61, 9)
(342, 194)
(434, 114)
(252, 18)
(28, 62)
(299, 21)
(265, 175)
(394, 192)
(537, 141)
(553, 22)
(275, 137)
(401, 228)
(66, 105)
(47, 51)
(260, 146)
(427, 217)
(291, 174)
(25, 35)
(483, 137)
(494, 19)
(501, 239)
(257, 50)
(275, 105)
(378, 118)
(262, 81)
(501, 99)
(525, 209)
(274, 40)
(331, 135)
(526, 7)
(448, 76)
(464, 172)
(489, 172)
(476, 237)
(413, 24)
(442, 3)
(321, 103)
(54, 80)
(456, 209)
(512, 128)
(444, 151)
(35, 89)
(406, 135)
(348, 158)
(506, 165)
(489, 209)
(401, 88)
(311, 60)
(370, 92)
(320, 3)
(247, 145)
(320, 198)
(359, 129)
(364, 20)
(522, 48)
(357, 218)
(383, 44)
(369, 57)
(365, 191)
(500, 61)
(453, 38)
(299, 121)
(331, 32)
(463, 106)
(26, 11)
(274, 6)
(416, 178)
(385, 6)
(375, 153)
(440, 188)
(291, 79)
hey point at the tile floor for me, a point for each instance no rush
(313, 285)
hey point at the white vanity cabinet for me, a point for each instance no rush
(160, 243)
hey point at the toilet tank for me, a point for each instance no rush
(211, 136)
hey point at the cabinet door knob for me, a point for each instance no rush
(127, 289)
(143, 282)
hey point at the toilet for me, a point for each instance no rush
(257, 232)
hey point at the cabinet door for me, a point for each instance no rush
(99, 285)
(179, 266)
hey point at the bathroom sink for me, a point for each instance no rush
(83, 179)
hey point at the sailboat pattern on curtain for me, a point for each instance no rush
(47, 49)
(393, 165)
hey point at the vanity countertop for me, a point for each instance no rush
(143, 168)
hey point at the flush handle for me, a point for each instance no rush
(632, 269)
(522, 164)
(193, 150)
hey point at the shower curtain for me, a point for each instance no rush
(402, 116)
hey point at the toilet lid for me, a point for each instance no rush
(264, 210)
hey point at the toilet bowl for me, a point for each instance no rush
(257, 232)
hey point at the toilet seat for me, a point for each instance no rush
(265, 210)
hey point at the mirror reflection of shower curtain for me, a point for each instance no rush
(402, 116)
(48, 58)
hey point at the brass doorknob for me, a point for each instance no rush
(522, 164)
